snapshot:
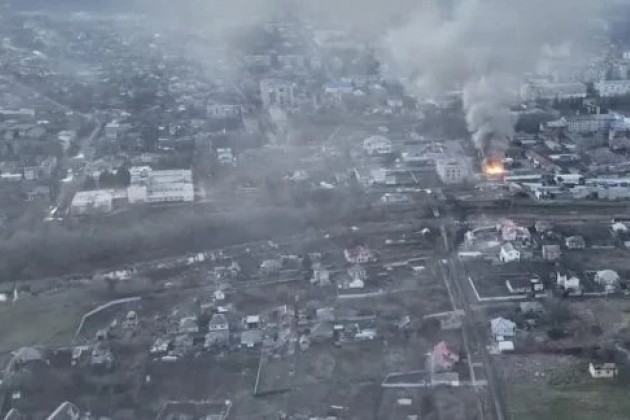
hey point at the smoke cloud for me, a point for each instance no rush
(482, 49)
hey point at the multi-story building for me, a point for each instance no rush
(149, 186)
(536, 90)
(452, 171)
(280, 93)
(611, 88)
(590, 123)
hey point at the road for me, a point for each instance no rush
(473, 332)
(69, 188)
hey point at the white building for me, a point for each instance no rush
(590, 123)
(112, 130)
(603, 371)
(377, 145)
(452, 171)
(502, 327)
(66, 138)
(536, 90)
(151, 186)
(95, 201)
(610, 88)
(218, 110)
(568, 283)
(280, 93)
(509, 254)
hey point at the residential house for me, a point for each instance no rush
(102, 358)
(510, 231)
(321, 277)
(508, 253)
(575, 242)
(609, 279)
(568, 282)
(251, 338)
(377, 145)
(252, 322)
(188, 325)
(551, 252)
(502, 327)
(520, 284)
(218, 331)
(360, 254)
(444, 357)
(603, 370)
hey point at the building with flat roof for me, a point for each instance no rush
(452, 171)
(93, 201)
(611, 88)
(149, 186)
(536, 90)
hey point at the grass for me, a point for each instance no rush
(46, 320)
(591, 400)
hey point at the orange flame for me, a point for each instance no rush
(493, 167)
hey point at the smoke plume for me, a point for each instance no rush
(482, 49)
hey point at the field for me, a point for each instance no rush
(586, 401)
(47, 320)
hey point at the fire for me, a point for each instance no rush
(493, 167)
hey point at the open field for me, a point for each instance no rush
(587, 401)
(47, 320)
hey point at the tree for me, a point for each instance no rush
(123, 177)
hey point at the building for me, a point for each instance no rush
(591, 123)
(575, 242)
(609, 279)
(218, 331)
(551, 252)
(544, 90)
(94, 201)
(444, 357)
(377, 145)
(452, 171)
(508, 253)
(360, 254)
(66, 138)
(502, 327)
(603, 370)
(612, 88)
(221, 110)
(149, 186)
(279, 93)
(112, 130)
(568, 283)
